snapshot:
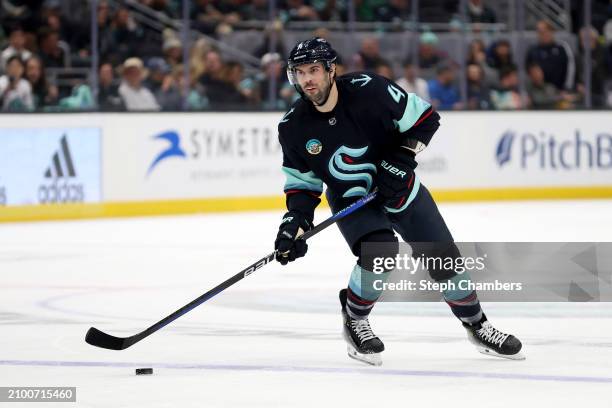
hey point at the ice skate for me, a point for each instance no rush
(488, 340)
(362, 343)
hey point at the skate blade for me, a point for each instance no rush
(372, 359)
(489, 352)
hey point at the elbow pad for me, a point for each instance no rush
(423, 132)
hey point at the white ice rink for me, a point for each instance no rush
(273, 339)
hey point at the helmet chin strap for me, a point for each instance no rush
(331, 82)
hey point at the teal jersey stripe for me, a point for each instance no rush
(302, 181)
(415, 107)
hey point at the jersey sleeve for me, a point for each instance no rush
(302, 187)
(405, 112)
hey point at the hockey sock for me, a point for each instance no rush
(361, 293)
(463, 303)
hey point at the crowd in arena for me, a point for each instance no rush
(41, 43)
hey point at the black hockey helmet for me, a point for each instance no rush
(309, 52)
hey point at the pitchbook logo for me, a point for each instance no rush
(60, 184)
(549, 151)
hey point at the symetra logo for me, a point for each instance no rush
(555, 152)
(60, 185)
(174, 150)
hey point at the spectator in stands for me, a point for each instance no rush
(217, 90)
(15, 92)
(556, 59)
(478, 92)
(108, 90)
(478, 12)
(368, 57)
(272, 70)
(234, 74)
(50, 51)
(51, 17)
(298, 10)
(104, 14)
(197, 61)
(158, 70)
(477, 55)
(205, 17)
(411, 83)
(44, 94)
(385, 69)
(105, 35)
(235, 93)
(16, 46)
(171, 95)
(73, 34)
(214, 65)
(500, 58)
(134, 94)
(126, 34)
(396, 11)
(331, 10)
(476, 51)
(599, 68)
(366, 9)
(542, 95)
(256, 10)
(232, 12)
(212, 79)
(443, 93)
(429, 54)
(225, 94)
(173, 51)
(506, 95)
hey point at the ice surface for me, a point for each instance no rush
(274, 338)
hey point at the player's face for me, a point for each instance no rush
(314, 81)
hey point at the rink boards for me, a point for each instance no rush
(94, 164)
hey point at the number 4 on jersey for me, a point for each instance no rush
(396, 94)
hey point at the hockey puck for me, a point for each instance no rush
(144, 371)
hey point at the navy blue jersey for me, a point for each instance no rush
(341, 148)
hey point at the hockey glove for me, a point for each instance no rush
(396, 179)
(288, 248)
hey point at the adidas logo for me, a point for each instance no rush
(58, 187)
(56, 170)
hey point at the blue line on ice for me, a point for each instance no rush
(342, 370)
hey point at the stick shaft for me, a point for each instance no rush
(98, 338)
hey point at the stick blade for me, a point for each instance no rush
(100, 339)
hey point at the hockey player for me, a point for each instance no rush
(355, 133)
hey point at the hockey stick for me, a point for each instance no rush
(98, 338)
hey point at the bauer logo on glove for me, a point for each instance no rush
(288, 244)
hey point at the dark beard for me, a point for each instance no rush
(321, 96)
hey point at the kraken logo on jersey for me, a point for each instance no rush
(341, 166)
